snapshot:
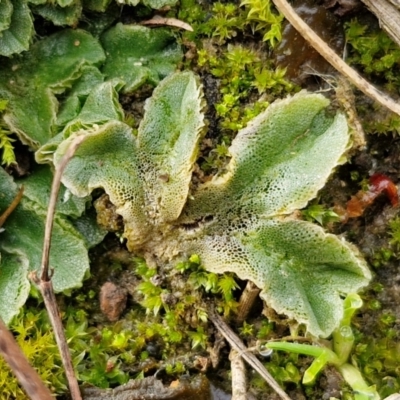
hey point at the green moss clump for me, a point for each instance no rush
(224, 21)
(261, 17)
(241, 72)
(374, 52)
(34, 335)
(285, 368)
(378, 357)
(169, 324)
(161, 333)
(391, 250)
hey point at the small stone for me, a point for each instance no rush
(112, 300)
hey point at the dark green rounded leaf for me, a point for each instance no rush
(136, 54)
(17, 36)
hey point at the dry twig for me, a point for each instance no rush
(238, 371)
(9, 349)
(244, 352)
(246, 301)
(395, 3)
(177, 23)
(356, 79)
(388, 15)
(12, 206)
(44, 283)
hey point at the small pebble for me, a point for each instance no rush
(112, 300)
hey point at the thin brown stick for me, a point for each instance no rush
(356, 79)
(12, 206)
(9, 349)
(44, 283)
(396, 3)
(26, 375)
(158, 20)
(46, 289)
(244, 352)
(238, 372)
(246, 301)
(55, 187)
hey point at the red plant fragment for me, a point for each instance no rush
(381, 183)
(378, 183)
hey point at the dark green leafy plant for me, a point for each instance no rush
(32, 81)
(16, 27)
(17, 17)
(36, 81)
(22, 241)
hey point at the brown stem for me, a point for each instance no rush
(44, 283)
(238, 372)
(246, 301)
(244, 352)
(12, 206)
(46, 289)
(55, 187)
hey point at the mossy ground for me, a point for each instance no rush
(165, 327)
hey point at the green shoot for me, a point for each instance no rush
(260, 14)
(343, 340)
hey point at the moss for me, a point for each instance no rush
(8, 156)
(378, 357)
(286, 370)
(375, 54)
(241, 71)
(373, 51)
(34, 336)
(224, 21)
(262, 17)
(150, 337)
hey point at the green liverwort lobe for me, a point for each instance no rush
(242, 220)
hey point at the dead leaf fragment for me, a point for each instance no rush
(157, 20)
